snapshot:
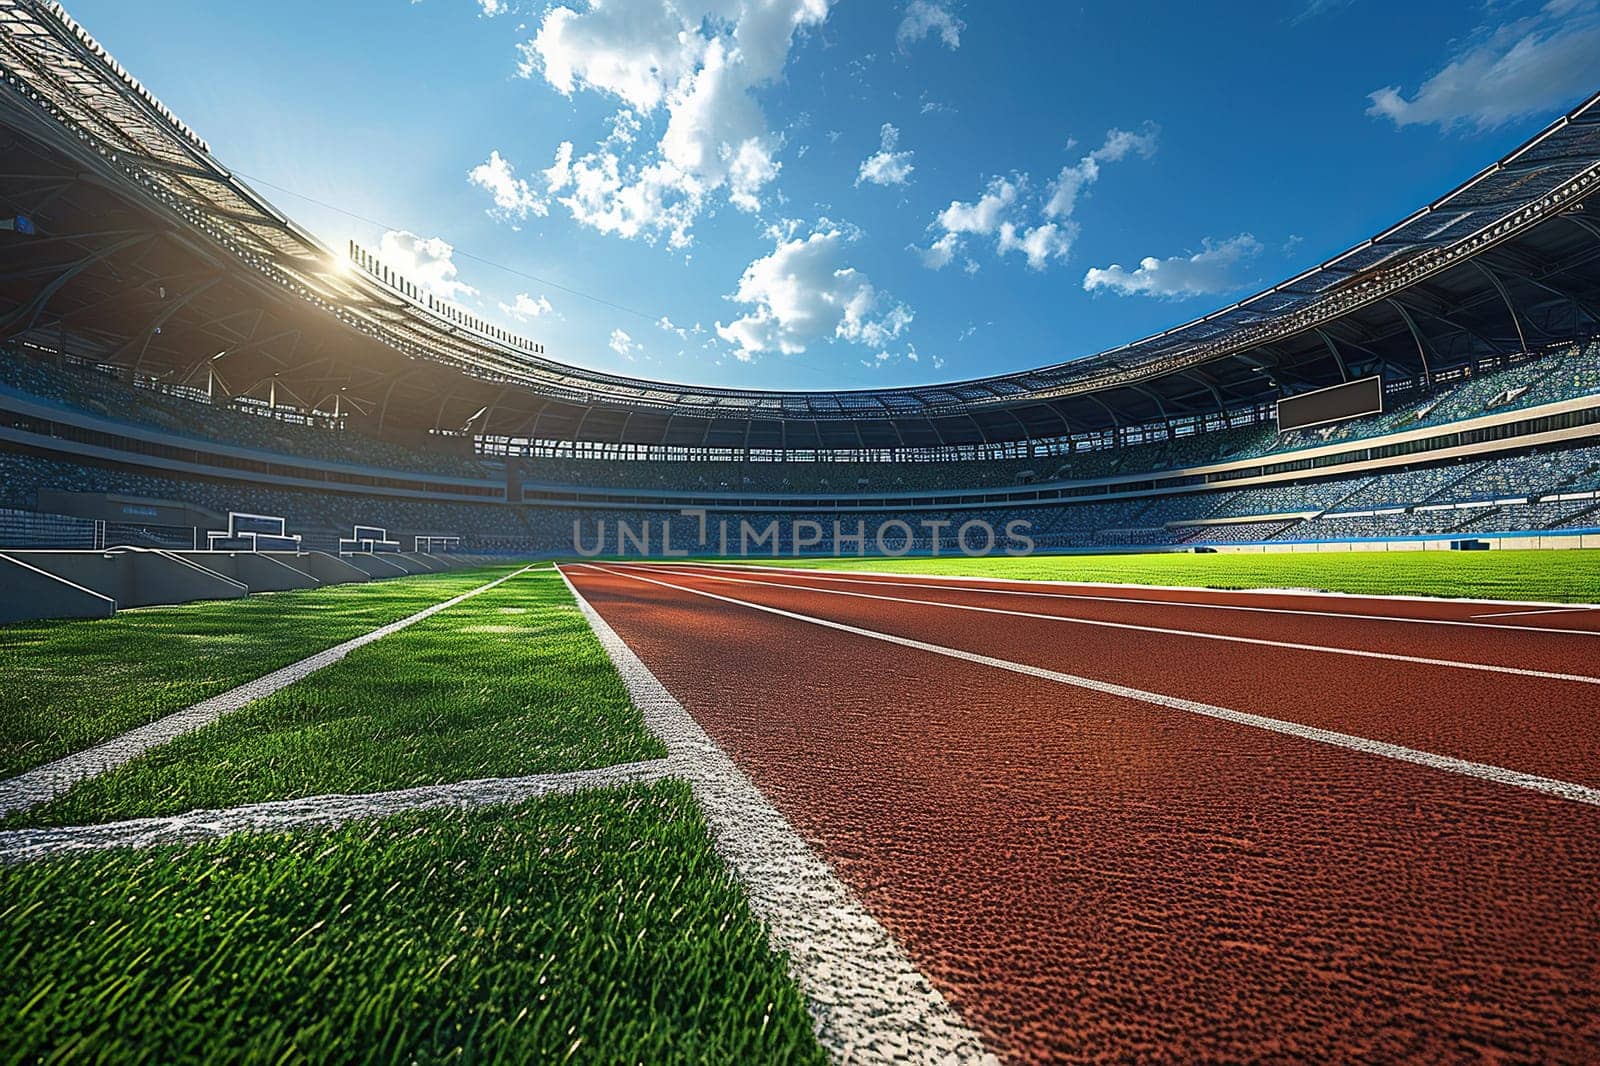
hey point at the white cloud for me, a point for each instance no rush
(941, 252)
(513, 197)
(1207, 272)
(1006, 210)
(700, 62)
(635, 51)
(890, 358)
(804, 292)
(558, 175)
(995, 215)
(603, 192)
(624, 345)
(925, 17)
(1075, 177)
(985, 214)
(886, 166)
(426, 261)
(1317, 8)
(667, 325)
(716, 132)
(781, 229)
(625, 127)
(494, 7)
(1506, 71)
(524, 307)
(1039, 244)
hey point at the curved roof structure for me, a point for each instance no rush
(151, 254)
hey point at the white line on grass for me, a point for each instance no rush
(869, 1001)
(36, 786)
(838, 576)
(26, 845)
(1483, 771)
(1546, 675)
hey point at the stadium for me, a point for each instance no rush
(381, 686)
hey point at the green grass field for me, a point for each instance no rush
(1559, 576)
(592, 928)
(510, 682)
(70, 684)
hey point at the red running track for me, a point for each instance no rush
(1092, 876)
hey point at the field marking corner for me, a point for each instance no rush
(40, 784)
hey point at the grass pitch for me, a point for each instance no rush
(71, 684)
(591, 928)
(1558, 576)
(510, 682)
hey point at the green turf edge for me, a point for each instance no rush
(598, 927)
(508, 683)
(70, 684)
(1566, 576)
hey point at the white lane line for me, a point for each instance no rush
(36, 786)
(29, 845)
(1542, 610)
(839, 577)
(868, 1000)
(1483, 771)
(1519, 671)
(1057, 582)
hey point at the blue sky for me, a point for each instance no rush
(851, 193)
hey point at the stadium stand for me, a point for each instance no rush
(1567, 373)
(1419, 498)
(1339, 506)
(1236, 532)
(319, 515)
(272, 430)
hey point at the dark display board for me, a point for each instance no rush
(1350, 400)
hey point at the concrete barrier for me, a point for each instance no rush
(408, 563)
(256, 570)
(136, 577)
(28, 593)
(375, 565)
(328, 569)
(428, 563)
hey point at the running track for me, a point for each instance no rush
(1118, 824)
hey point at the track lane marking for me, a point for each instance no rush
(1519, 671)
(838, 576)
(1056, 582)
(1566, 790)
(1542, 610)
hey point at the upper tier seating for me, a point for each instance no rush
(245, 426)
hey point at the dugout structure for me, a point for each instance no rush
(369, 540)
(251, 533)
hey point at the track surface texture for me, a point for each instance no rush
(1038, 801)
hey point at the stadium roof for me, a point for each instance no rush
(151, 254)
